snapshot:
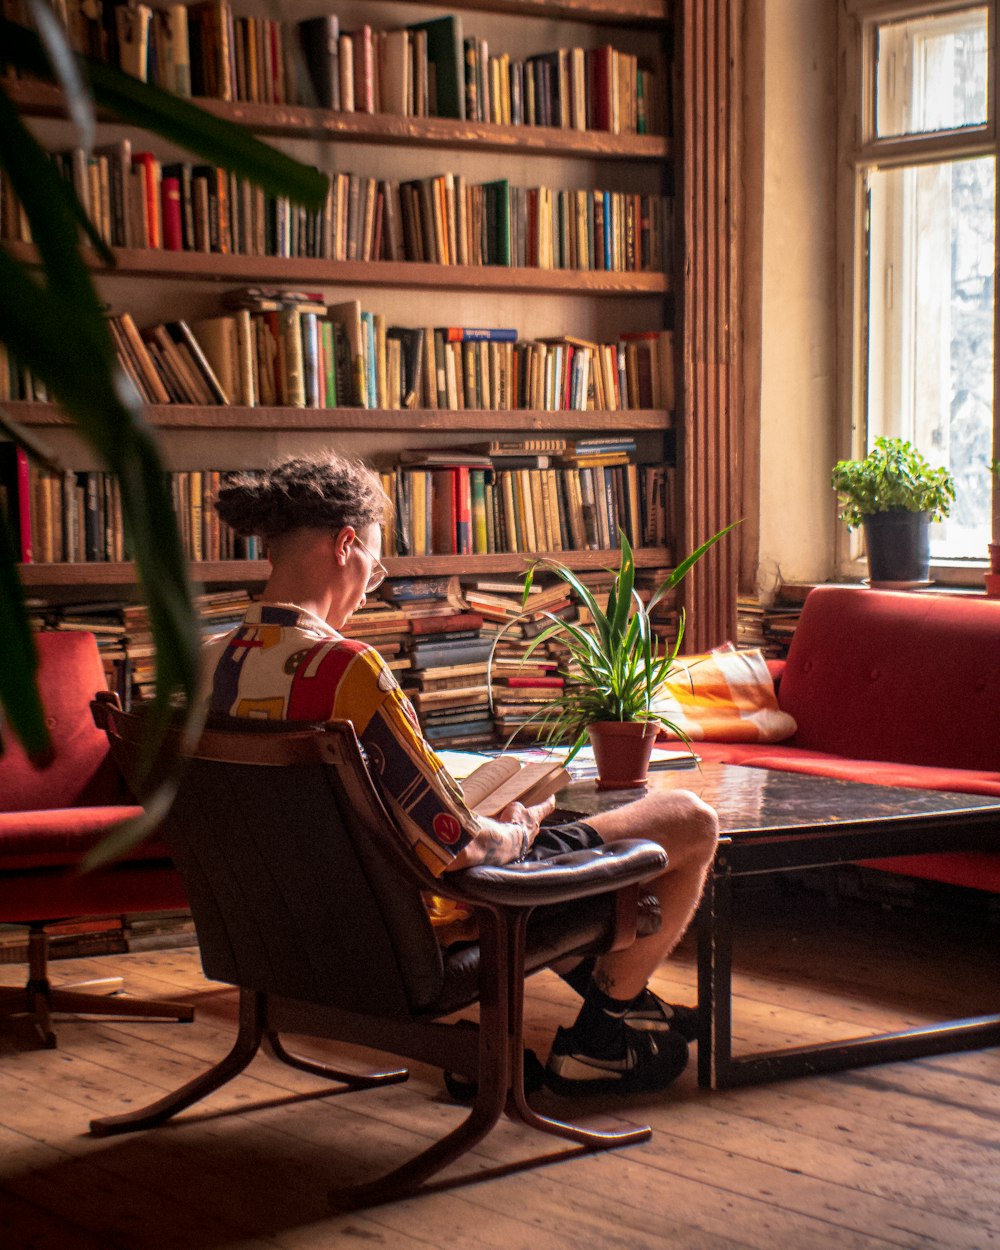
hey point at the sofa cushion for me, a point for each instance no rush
(787, 758)
(882, 675)
(43, 839)
(724, 696)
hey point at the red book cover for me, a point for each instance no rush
(567, 379)
(148, 163)
(445, 624)
(463, 511)
(443, 512)
(15, 486)
(170, 205)
(600, 66)
(535, 683)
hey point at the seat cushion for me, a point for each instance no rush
(875, 772)
(978, 869)
(46, 839)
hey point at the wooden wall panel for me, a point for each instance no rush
(709, 212)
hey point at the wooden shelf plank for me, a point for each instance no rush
(208, 572)
(215, 267)
(405, 420)
(299, 122)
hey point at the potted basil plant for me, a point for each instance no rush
(617, 665)
(894, 494)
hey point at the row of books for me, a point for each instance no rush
(76, 517)
(135, 200)
(295, 351)
(572, 89)
(467, 510)
(422, 69)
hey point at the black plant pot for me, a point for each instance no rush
(898, 545)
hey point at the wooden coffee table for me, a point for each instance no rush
(772, 822)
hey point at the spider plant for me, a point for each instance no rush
(617, 664)
(51, 320)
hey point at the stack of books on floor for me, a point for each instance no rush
(386, 628)
(159, 930)
(125, 637)
(750, 614)
(68, 939)
(782, 617)
(447, 656)
(521, 687)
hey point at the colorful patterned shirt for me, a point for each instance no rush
(284, 663)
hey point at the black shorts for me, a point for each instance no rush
(555, 839)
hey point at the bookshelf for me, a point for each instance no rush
(406, 420)
(284, 270)
(697, 297)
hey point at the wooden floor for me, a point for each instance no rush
(903, 1155)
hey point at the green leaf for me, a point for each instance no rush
(18, 672)
(141, 104)
(50, 206)
(685, 566)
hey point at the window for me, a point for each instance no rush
(923, 240)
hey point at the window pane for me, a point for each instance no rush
(931, 74)
(930, 323)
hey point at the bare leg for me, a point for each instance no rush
(687, 829)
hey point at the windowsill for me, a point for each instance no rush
(960, 576)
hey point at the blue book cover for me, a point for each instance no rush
(368, 336)
(607, 229)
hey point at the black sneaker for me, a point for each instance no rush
(652, 1061)
(461, 1089)
(648, 1013)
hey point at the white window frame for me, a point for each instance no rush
(860, 150)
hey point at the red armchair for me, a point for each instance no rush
(49, 818)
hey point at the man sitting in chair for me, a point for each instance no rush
(320, 518)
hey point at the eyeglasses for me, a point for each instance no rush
(379, 572)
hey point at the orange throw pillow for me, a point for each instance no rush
(724, 696)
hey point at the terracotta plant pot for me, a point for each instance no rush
(995, 557)
(622, 750)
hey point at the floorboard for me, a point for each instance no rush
(901, 1155)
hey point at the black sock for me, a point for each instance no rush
(600, 1025)
(578, 978)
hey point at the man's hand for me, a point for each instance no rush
(529, 818)
(506, 839)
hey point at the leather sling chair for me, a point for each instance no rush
(49, 818)
(306, 897)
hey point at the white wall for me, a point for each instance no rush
(798, 308)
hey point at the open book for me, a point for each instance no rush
(505, 779)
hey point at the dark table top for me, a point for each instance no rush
(759, 807)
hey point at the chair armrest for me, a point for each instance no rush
(561, 878)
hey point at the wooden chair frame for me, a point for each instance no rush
(505, 900)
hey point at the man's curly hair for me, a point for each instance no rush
(324, 491)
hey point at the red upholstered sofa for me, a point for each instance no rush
(893, 689)
(50, 817)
